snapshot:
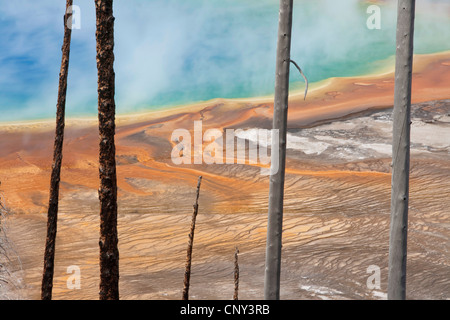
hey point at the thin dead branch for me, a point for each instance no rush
(303, 75)
(236, 275)
(187, 272)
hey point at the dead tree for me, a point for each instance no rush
(187, 272)
(276, 191)
(236, 275)
(52, 217)
(401, 151)
(109, 253)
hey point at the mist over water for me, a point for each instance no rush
(172, 52)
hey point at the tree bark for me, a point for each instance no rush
(187, 272)
(52, 217)
(236, 275)
(109, 253)
(401, 151)
(276, 191)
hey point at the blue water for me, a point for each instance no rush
(172, 52)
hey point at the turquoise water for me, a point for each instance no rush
(234, 54)
(173, 52)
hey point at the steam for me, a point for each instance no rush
(171, 52)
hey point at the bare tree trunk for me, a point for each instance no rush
(109, 253)
(276, 192)
(236, 275)
(52, 218)
(401, 151)
(187, 272)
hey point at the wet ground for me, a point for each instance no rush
(336, 220)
